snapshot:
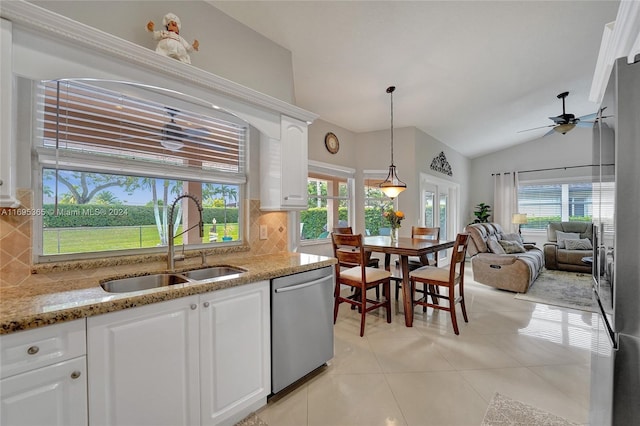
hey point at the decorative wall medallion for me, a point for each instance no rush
(440, 164)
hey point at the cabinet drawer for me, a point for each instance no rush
(26, 350)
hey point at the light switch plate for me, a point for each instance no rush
(263, 232)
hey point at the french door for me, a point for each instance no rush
(439, 206)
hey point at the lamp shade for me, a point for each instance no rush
(519, 218)
(392, 185)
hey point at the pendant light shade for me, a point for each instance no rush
(392, 185)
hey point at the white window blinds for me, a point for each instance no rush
(141, 124)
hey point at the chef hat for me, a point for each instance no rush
(171, 17)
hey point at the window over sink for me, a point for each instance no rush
(113, 156)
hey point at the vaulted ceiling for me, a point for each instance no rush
(470, 73)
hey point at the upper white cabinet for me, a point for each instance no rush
(284, 167)
(7, 144)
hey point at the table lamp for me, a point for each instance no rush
(519, 219)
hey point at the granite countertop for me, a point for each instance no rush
(54, 296)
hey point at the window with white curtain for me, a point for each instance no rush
(113, 156)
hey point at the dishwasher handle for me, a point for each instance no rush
(301, 286)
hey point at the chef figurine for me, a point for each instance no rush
(171, 43)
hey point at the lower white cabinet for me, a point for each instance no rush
(53, 395)
(143, 365)
(44, 376)
(235, 352)
(199, 360)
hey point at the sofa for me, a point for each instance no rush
(567, 256)
(501, 260)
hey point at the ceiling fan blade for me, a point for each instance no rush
(584, 123)
(536, 128)
(588, 117)
(549, 132)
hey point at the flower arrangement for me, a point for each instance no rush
(395, 217)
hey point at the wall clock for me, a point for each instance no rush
(331, 142)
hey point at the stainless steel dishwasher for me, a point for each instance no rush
(301, 325)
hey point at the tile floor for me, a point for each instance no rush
(426, 375)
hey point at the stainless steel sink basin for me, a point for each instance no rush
(144, 282)
(212, 272)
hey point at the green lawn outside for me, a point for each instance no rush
(84, 240)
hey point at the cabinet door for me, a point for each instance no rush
(53, 395)
(143, 365)
(294, 162)
(234, 352)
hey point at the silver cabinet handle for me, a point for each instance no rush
(205, 304)
(194, 306)
(33, 350)
(293, 197)
(75, 374)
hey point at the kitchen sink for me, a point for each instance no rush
(212, 272)
(144, 282)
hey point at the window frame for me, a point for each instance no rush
(376, 175)
(331, 171)
(582, 179)
(47, 157)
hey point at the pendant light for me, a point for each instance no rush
(392, 185)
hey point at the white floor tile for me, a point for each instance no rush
(426, 375)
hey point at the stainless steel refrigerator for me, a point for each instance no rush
(615, 356)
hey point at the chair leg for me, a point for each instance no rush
(336, 303)
(377, 292)
(462, 304)
(452, 310)
(397, 290)
(363, 310)
(387, 303)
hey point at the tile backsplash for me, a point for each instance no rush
(16, 237)
(16, 241)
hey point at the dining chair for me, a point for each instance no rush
(372, 262)
(349, 250)
(433, 278)
(415, 262)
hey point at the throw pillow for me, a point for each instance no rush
(514, 236)
(511, 247)
(562, 236)
(494, 246)
(581, 244)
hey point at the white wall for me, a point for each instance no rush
(556, 150)
(227, 48)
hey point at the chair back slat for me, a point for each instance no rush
(458, 256)
(348, 248)
(425, 233)
(343, 230)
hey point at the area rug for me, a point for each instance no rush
(503, 411)
(561, 288)
(252, 420)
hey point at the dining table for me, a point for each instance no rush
(405, 247)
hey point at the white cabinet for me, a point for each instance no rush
(44, 376)
(234, 352)
(143, 365)
(284, 167)
(195, 360)
(8, 171)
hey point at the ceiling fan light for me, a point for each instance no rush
(564, 128)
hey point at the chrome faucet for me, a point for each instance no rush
(171, 255)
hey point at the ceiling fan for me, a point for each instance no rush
(564, 122)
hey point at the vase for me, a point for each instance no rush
(394, 235)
